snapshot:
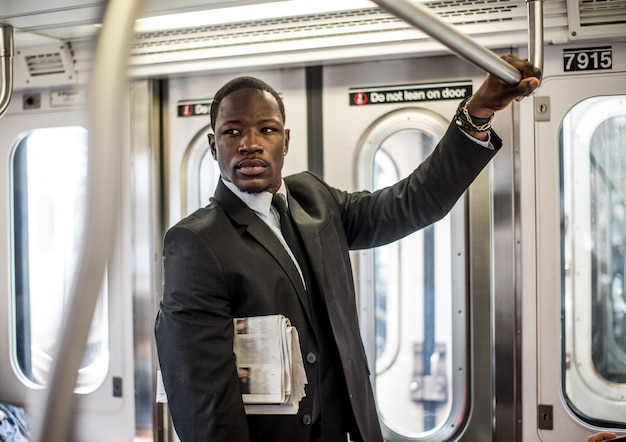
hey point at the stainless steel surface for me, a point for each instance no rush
(535, 32)
(419, 16)
(146, 236)
(481, 424)
(506, 328)
(6, 67)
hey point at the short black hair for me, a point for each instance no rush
(243, 82)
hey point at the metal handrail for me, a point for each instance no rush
(106, 94)
(419, 16)
(6, 67)
(535, 32)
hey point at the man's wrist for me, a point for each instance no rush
(477, 126)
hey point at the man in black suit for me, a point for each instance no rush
(230, 260)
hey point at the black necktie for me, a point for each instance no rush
(293, 241)
(289, 232)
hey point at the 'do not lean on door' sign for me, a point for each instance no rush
(410, 93)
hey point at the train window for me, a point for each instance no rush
(207, 178)
(412, 287)
(201, 173)
(48, 173)
(593, 263)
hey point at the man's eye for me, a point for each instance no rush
(268, 130)
(231, 132)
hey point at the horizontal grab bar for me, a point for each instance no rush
(466, 48)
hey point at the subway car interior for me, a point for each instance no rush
(504, 321)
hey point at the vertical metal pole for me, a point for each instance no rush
(6, 67)
(535, 32)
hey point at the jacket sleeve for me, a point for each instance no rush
(194, 337)
(375, 218)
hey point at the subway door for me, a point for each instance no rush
(43, 143)
(426, 303)
(191, 174)
(574, 242)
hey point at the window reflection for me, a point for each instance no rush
(608, 183)
(49, 172)
(386, 278)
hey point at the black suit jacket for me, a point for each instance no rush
(223, 262)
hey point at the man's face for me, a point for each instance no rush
(250, 141)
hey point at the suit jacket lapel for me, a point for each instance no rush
(311, 238)
(242, 215)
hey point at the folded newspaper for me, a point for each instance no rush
(269, 364)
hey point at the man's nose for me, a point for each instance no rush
(250, 141)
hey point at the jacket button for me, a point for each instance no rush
(306, 419)
(311, 358)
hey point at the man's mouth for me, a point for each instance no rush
(252, 166)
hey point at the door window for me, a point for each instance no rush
(593, 264)
(48, 174)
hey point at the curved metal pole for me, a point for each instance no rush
(106, 93)
(419, 16)
(535, 32)
(6, 67)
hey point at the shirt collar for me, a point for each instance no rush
(259, 202)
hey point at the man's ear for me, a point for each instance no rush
(211, 138)
(287, 138)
